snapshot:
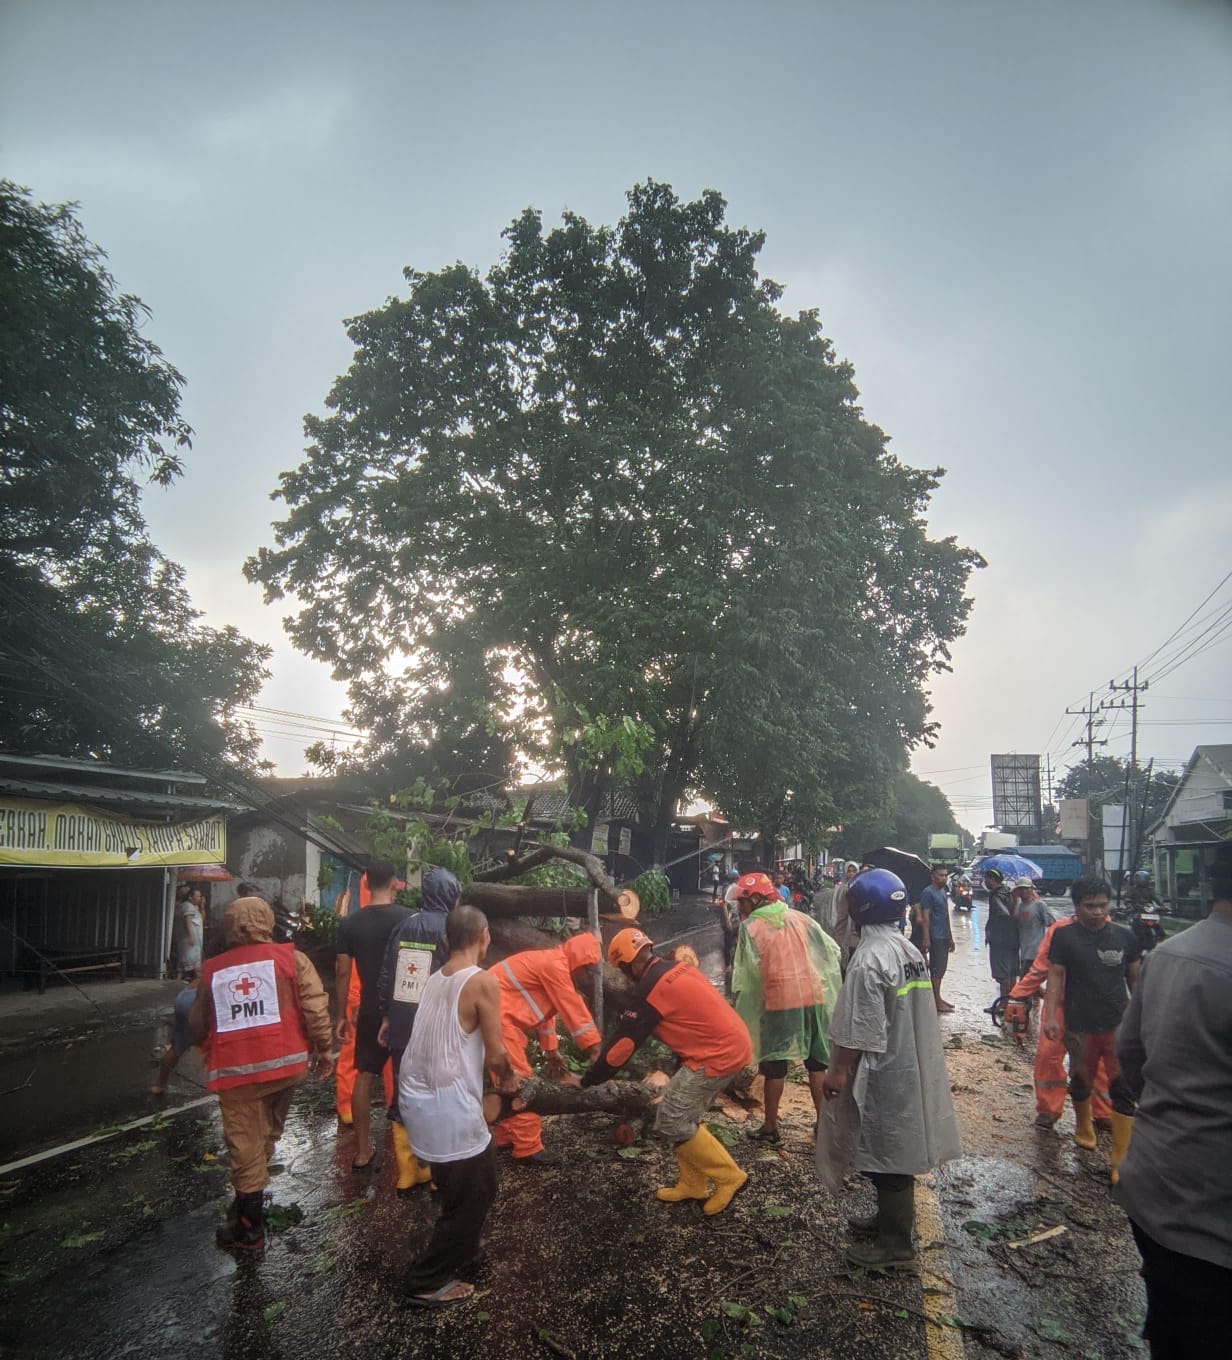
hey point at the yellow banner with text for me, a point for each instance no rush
(67, 835)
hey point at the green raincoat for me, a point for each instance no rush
(785, 981)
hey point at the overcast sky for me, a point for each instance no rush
(1013, 216)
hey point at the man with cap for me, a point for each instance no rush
(536, 986)
(263, 1017)
(888, 1111)
(1001, 932)
(418, 947)
(785, 981)
(676, 1003)
(1032, 917)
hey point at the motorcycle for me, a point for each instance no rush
(1145, 923)
(960, 895)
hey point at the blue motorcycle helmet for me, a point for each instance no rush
(875, 897)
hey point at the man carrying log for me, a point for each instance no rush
(675, 1002)
(536, 986)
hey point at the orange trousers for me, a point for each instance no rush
(344, 1073)
(1051, 1083)
(522, 1132)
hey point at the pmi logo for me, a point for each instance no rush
(247, 997)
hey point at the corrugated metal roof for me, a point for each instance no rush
(97, 767)
(154, 804)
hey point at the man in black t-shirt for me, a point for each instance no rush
(1090, 966)
(362, 938)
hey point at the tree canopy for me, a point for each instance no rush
(610, 477)
(101, 651)
(913, 810)
(1109, 779)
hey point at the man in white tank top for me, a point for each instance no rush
(457, 1036)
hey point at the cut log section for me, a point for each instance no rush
(628, 1098)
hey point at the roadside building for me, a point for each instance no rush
(89, 856)
(1194, 824)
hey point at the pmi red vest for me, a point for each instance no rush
(258, 1030)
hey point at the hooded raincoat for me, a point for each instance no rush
(785, 981)
(895, 1115)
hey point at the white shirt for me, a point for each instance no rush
(440, 1082)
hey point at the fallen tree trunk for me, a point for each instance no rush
(619, 900)
(629, 1098)
(506, 901)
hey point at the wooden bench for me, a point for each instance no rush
(36, 969)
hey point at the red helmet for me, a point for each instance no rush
(756, 885)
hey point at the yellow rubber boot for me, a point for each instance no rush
(1084, 1129)
(692, 1183)
(712, 1159)
(410, 1172)
(1122, 1132)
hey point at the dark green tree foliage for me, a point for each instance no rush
(1108, 780)
(912, 810)
(89, 411)
(617, 471)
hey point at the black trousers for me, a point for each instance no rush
(467, 1192)
(1188, 1302)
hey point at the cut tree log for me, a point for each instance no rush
(628, 1098)
(507, 901)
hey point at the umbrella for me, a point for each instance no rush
(914, 871)
(204, 873)
(1009, 866)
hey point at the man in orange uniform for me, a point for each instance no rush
(675, 1002)
(535, 987)
(1050, 1082)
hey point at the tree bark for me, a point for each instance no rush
(506, 901)
(628, 1098)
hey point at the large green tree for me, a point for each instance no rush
(911, 810)
(614, 477)
(1109, 779)
(101, 652)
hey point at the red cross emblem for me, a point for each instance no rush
(411, 968)
(244, 985)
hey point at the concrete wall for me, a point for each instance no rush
(269, 856)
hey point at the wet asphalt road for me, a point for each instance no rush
(107, 1250)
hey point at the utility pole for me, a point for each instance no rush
(1090, 713)
(1089, 741)
(1132, 689)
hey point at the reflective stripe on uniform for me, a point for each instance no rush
(919, 982)
(247, 1069)
(534, 1010)
(581, 1029)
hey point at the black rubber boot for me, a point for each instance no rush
(864, 1227)
(244, 1229)
(892, 1248)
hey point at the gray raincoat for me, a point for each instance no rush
(896, 1114)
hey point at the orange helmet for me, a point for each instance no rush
(627, 944)
(756, 885)
(581, 951)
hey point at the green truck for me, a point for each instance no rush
(945, 847)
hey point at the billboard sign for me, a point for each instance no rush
(1075, 819)
(1116, 837)
(1016, 803)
